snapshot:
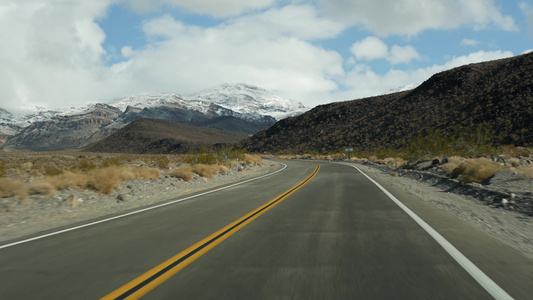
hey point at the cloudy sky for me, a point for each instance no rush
(59, 53)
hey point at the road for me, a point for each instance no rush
(334, 235)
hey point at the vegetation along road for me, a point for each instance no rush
(311, 231)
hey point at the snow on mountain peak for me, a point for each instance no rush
(250, 99)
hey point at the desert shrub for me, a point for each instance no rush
(207, 159)
(3, 171)
(393, 162)
(223, 169)
(476, 170)
(161, 162)
(184, 173)
(145, 173)
(71, 179)
(50, 171)
(207, 171)
(106, 180)
(11, 187)
(251, 159)
(511, 150)
(513, 161)
(111, 161)
(86, 164)
(453, 163)
(526, 171)
(43, 187)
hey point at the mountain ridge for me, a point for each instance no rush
(77, 127)
(498, 94)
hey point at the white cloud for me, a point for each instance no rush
(56, 57)
(372, 48)
(404, 54)
(54, 53)
(410, 17)
(298, 21)
(362, 81)
(165, 26)
(218, 8)
(127, 51)
(206, 57)
(469, 42)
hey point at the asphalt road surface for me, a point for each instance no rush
(304, 233)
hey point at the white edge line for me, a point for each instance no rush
(488, 284)
(138, 211)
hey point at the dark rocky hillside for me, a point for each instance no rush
(158, 136)
(498, 94)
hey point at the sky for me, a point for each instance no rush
(62, 53)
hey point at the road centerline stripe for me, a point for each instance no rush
(486, 282)
(154, 277)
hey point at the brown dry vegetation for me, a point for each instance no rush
(253, 159)
(26, 173)
(476, 170)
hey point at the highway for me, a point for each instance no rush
(312, 231)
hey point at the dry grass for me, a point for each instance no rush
(453, 163)
(515, 151)
(253, 159)
(358, 159)
(184, 173)
(42, 187)
(207, 171)
(526, 171)
(476, 170)
(26, 173)
(11, 187)
(513, 161)
(392, 162)
(104, 180)
(223, 169)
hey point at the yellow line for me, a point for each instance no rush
(154, 277)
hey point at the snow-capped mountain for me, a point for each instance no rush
(8, 125)
(240, 108)
(249, 99)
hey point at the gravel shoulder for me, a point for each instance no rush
(511, 227)
(38, 213)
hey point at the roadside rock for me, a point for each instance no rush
(73, 201)
(502, 176)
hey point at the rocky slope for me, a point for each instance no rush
(455, 102)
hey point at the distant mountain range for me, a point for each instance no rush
(496, 93)
(239, 108)
(153, 136)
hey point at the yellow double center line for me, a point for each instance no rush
(151, 279)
